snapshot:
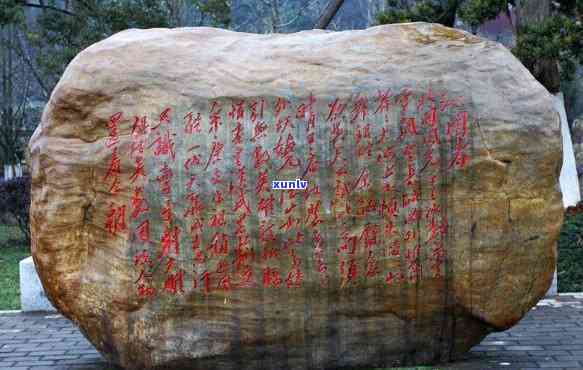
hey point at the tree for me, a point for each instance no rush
(549, 44)
(275, 16)
(551, 49)
(14, 98)
(217, 11)
(59, 35)
(35, 54)
(476, 12)
(64, 28)
(442, 12)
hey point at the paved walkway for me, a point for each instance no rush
(550, 336)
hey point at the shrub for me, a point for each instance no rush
(541, 45)
(570, 264)
(15, 202)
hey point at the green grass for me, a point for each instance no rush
(11, 252)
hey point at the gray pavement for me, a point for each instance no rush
(549, 337)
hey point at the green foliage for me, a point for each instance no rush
(10, 234)
(393, 16)
(218, 10)
(570, 264)
(556, 38)
(476, 12)
(570, 7)
(423, 11)
(10, 13)
(472, 12)
(60, 36)
(15, 202)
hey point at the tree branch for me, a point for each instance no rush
(22, 51)
(48, 7)
(299, 13)
(328, 15)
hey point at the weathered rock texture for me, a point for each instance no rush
(430, 217)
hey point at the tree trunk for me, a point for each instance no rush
(532, 11)
(328, 14)
(274, 16)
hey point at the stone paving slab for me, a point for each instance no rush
(549, 337)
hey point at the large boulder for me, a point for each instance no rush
(429, 219)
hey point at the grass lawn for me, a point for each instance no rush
(11, 252)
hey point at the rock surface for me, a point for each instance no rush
(430, 217)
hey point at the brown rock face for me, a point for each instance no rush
(421, 214)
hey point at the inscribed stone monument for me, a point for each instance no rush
(428, 219)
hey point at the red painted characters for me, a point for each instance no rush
(373, 213)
